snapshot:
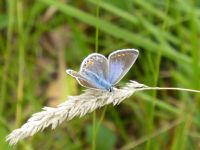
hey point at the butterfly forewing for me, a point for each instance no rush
(97, 64)
(120, 63)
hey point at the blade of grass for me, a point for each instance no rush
(120, 32)
(159, 103)
(79, 36)
(150, 143)
(180, 78)
(119, 123)
(182, 132)
(137, 21)
(10, 7)
(150, 9)
(35, 11)
(19, 8)
(109, 7)
(186, 7)
(97, 28)
(95, 129)
(152, 135)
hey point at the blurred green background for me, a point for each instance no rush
(40, 39)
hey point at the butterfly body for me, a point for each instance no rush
(98, 80)
(98, 72)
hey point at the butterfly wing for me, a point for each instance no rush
(93, 72)
(97, 64)
(83, 81)
(120, 63)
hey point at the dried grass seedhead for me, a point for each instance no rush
(78, 106)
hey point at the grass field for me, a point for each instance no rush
(40, 39)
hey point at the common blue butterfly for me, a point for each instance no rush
(98, 72)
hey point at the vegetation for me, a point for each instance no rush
(40, 39)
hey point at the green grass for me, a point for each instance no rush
(40, 39)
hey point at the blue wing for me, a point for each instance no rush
(93, 72)
(97, 64)
(120, 63)
(83, 81)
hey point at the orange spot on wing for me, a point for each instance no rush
(90, 62)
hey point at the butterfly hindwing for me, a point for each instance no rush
(81, 79)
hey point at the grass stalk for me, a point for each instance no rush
(168, 88)
(94, 131)
(150, 144)
(157, 133)
(19, 8)
(121, 33)
(10, 8)
(96, 50)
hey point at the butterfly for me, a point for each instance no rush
(99, 72)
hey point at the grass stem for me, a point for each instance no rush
(168, 88)
(19, 9)
(96, 50)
